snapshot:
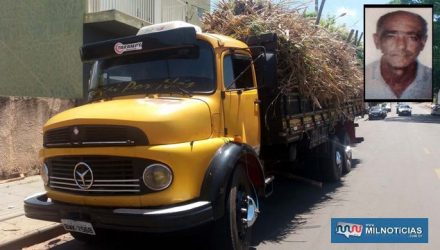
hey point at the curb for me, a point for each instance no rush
(20, 177)
(35, 237)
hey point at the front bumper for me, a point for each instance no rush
(160, 220)
(376, 116)
(405, 113)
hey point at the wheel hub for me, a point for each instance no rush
(249, 213)
(252, 211)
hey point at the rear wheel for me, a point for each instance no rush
(346, 142)
(332, 169)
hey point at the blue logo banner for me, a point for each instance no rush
(379, 230)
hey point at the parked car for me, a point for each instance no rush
(404, 110)
(386, 106)
(397, 107)
(377, 112)
(435, 110)
(366, 108)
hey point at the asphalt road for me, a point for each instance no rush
(396, 174)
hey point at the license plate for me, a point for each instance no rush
(78, 226)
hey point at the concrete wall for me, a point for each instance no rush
(39, 48)
(21, 136)
(39, 56)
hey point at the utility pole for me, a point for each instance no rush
(318, 18)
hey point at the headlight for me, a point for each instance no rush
(45, 174)
(157, 177)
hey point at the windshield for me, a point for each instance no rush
(185, 71)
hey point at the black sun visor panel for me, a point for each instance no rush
(175, 38)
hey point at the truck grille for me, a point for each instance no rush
(101, 175)
(94, 136)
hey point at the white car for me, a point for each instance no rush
(435, 109)
(404, 110)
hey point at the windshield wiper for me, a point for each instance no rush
(181, 90)
(170, 85)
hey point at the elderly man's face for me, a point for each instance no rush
(400, 39)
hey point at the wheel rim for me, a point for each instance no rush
(242, 213)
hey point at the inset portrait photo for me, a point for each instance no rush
(398, 52)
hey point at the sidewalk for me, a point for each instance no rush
(16, 230)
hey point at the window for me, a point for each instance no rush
(165, 71)
(235, 66)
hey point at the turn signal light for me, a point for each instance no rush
(238, 138)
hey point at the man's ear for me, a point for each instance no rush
(376, 40)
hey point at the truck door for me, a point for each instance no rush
(240, 100)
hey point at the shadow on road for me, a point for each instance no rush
(416, 118)
(134, 240)
(284, 212)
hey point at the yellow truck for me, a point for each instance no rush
(181, 129)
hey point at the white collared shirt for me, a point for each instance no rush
(376, 87)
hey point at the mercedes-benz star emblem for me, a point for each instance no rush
(75, 131)
(83, 175)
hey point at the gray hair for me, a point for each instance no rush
(422, 21)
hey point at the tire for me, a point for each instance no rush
(332, 169)
(230, 232)
(346, 141)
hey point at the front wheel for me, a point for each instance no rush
(233, 231)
